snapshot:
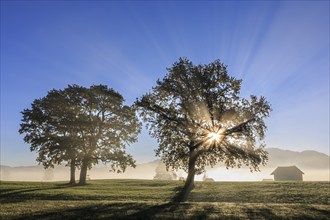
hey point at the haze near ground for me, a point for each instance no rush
(315, 166)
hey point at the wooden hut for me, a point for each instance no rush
(290, 173)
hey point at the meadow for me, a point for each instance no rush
(150, 199)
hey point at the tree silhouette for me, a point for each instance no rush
(81, 126)
(51, 129)
(198, 119)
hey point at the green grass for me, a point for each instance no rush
(149, 199)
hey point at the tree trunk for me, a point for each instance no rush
(189, 184)
(83, 173)
(73, 172)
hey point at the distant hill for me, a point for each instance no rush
(313, 163)
(307, 159)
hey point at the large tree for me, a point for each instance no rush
(107, 126)
(81, 126)
(198, 119)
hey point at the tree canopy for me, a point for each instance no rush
(199, 119)
(81, 126)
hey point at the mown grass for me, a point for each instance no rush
(149, 199)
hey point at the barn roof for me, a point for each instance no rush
(289, 169)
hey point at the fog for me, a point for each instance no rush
(222, 174)
(146, 171)
(314, 165)
(62, 173)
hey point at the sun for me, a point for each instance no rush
(214, 136)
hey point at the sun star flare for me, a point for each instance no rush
(214, 136)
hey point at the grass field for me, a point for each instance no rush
(149, 199)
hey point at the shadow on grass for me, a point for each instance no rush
(134, 211)
(21, 195)
(265, 213)
(102, 211)
(320, 212)
(62, 191)
(58, 192)
(147, 211)
(107, 210)
(151, 209)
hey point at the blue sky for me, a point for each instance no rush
(279, 49)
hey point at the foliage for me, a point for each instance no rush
(83, 125)
(192, 101)
(198, 119)
(147, 199)
(48, 127)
